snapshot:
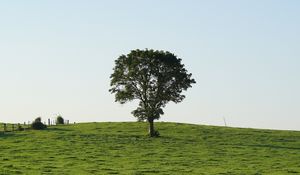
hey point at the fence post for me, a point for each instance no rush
(4, 127)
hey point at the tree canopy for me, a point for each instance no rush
(152, 77)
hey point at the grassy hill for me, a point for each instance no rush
(123, 148)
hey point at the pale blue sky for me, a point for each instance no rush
(56, 57)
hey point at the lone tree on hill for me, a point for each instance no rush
(152, 77)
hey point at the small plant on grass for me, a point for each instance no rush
(60, 120)
(38, 125)
(156, 133)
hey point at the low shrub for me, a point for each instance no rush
(39, 119)
(38, 125)
(60, 120)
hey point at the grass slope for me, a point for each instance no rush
(123, 148)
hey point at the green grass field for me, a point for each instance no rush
(124, 148)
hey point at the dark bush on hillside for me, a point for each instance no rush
(60, 120)
(39, 119)
(38, 125)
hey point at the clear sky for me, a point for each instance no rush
(56, 57)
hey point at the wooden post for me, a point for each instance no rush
(49, 122)
(4, 127)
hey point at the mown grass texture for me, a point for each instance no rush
(124, 148)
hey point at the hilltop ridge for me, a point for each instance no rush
(124, 148)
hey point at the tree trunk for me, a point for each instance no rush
(151, 128)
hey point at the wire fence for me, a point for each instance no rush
(11, 127)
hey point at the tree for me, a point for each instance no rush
(39, 119)
(37, 124)
(152, 77)
(60, 120)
